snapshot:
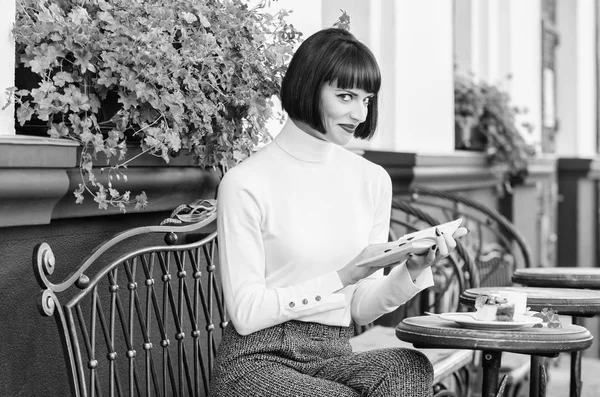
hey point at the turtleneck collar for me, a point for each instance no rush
(302, 145)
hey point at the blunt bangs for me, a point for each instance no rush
(330, 56)
(354, 70)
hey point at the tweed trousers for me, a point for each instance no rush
(297, 359)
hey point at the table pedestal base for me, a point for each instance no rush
(575, 385)
(538, 377)
(491, 368)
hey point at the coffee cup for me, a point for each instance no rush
(519, 299)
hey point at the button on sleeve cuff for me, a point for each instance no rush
(314, 296)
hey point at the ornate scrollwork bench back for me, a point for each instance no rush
(164, 299)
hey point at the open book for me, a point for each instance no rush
(416, 243)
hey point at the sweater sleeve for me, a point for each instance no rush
(250, 304)
(378, 294)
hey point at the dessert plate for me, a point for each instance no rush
(468, 321)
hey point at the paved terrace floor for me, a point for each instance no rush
(558, 372)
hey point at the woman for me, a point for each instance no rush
(294, 219)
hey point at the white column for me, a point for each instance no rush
(526, 62)
(576, 78)
(481, 38)
(499, 46)
(7, 66)
(465, 48)
(423, 114)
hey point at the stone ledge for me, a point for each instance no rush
(38, 177)
(461, 171)
(22, 151)
(166, 188)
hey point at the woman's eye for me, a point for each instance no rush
(345, 97)
(367, 101)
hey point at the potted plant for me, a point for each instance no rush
(486, 120)
(468, 107)
(181, 76)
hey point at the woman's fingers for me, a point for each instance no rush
(461, 231)
(450, 242)
(445, 243)
(426, 257)
(431, 254)
(442, 246)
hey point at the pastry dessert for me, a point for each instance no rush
(494, 308)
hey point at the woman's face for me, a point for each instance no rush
(342, 110)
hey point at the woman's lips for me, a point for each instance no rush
(348, 128)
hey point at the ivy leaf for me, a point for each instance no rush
(78, 16)
(343, 21)
(37, 65)
(238, 155)
(141, 201)
(61, 78)
(101, 200)
(79, 194)
(204, 21)
(106, 78)
(24, 113)
(76, 99)
(188, 17)
(86, 163)
(58, 130)
(98, 143)
(106, 17)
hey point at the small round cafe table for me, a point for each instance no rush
(567, 301)
(562, 277)
(558, 277)
(434, 332)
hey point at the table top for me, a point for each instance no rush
(570, 301)
(433, 332)
(559, 277)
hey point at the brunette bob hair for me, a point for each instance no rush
(330, 56)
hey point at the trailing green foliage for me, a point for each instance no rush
(176, 76)
(485, 116)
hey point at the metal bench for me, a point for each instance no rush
(143, 314)
(143, 321)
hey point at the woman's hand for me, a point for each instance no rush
(351, 274)
(445, 244)
(415, 264)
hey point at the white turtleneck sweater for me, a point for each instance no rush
(289, 217)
